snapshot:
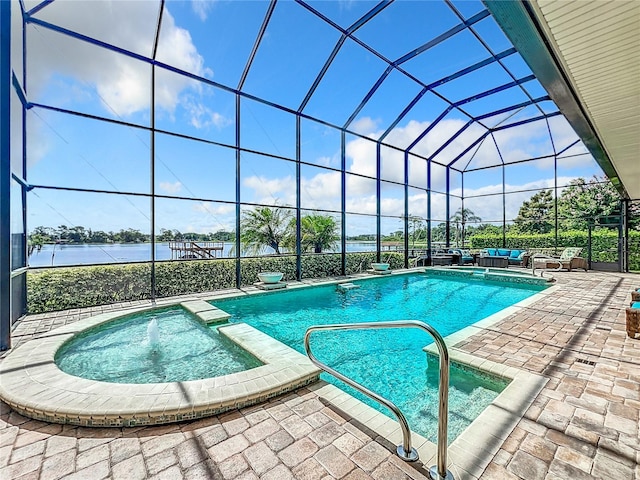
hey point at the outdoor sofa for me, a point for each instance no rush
(514, 256)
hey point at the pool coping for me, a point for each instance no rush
(34, 386)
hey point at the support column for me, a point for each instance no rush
(625, 247)
(448, 211)
(298, 203)
(406, 210)
(343, 203)
(378, 204)
(238, 189)
(5, 175)
(429, 210)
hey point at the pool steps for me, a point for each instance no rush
(206, 312)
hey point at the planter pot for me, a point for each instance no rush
(270, 277)
(380, 267)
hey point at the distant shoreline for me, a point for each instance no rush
(76, 254)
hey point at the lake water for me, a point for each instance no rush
(87, 254)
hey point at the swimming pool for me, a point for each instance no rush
(120, 351)
(390, 362)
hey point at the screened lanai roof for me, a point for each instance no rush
(436, 79)
(587, 54)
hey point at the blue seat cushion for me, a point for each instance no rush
(635, 305)
(503, 252)
(492, 252)
(514, 254)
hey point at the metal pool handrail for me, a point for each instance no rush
(405, 451)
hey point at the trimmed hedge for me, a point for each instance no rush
(74, 287)
(178, 278)
(604, 244)
(64, 288)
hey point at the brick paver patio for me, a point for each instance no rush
(584, 423)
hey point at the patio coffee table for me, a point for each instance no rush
(442, 259)
(499, 262)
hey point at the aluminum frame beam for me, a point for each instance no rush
(5, 175)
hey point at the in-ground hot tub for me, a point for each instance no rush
(35, 386)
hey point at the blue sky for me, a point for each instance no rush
(213, 40)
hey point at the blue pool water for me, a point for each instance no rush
(389, 362)
(120, 351)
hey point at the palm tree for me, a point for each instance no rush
(460, 218)
(318, 232)
(264, 226)
(415, 229)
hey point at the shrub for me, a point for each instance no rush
(74, 287)
(178, 278)
(77, 287)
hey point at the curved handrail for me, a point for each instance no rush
(405, 451)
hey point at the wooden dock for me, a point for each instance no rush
(189, 250)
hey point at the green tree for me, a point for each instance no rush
(438, 233)
(38, 237)
(264, 226)
(223, 236)
(536, 215)
(77, 235)
(417, 230)
(98, 236)
(486, 229)
(460, 219)
(131, 235)
(595, 202)
(317, 232)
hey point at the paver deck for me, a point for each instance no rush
(583, 424)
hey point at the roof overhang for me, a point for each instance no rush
(587, 56)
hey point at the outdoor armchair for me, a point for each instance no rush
(568, 260)
(464, 255)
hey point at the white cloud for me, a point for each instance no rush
(322, 191)
(214, 208)
(202, 117)
(210, 217)
(328, 161)
(170, 188)
(319, 190)
(280, 191)
(122, 83)
(202, 8)
(490, 207)
(364, 125)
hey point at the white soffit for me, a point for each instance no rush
(598, 44)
